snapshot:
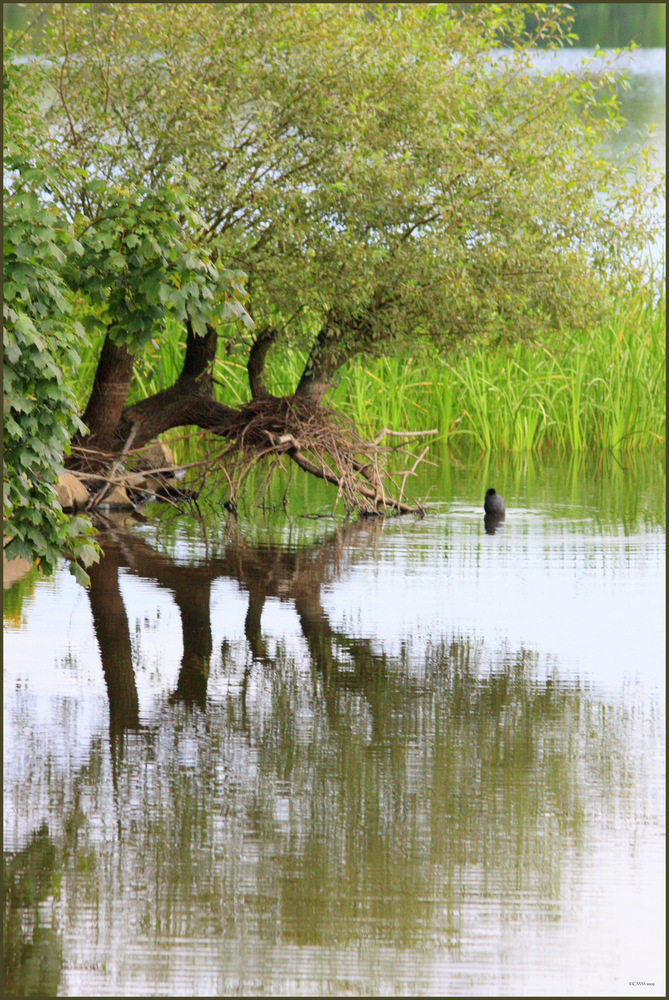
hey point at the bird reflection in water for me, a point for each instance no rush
(495, 511)
(492, 523)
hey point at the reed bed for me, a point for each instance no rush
(598, 389)
(603, 388)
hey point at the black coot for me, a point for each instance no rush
(494, 504)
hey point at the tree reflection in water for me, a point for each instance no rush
(31, 948)
(343, 795)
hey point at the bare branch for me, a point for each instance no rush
(386, 432)
(97, 499)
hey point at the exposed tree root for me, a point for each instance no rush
(322, 443)
(319, 441)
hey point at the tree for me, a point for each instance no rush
(140, 265)
(39, 407)
(43, 266)
(382, 174)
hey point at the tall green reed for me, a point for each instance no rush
(602, 388)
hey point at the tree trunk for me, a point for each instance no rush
(256, 363)
(188, 401)
(331, 349)
(108, 395)
(325, 357)
(296, 425)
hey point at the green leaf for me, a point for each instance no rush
(12, 352)
(56, 252)
(80, 574)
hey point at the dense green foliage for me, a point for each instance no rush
(605, 24)
(379, 168)
(38, 340)
(138, 267)
(131, 265)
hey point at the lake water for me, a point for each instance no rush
(293, 755)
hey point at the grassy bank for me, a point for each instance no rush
(597, 389)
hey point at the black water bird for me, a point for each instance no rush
(494, 504)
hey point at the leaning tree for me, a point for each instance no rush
(381, 174)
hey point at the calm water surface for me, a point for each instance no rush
(297, 756)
